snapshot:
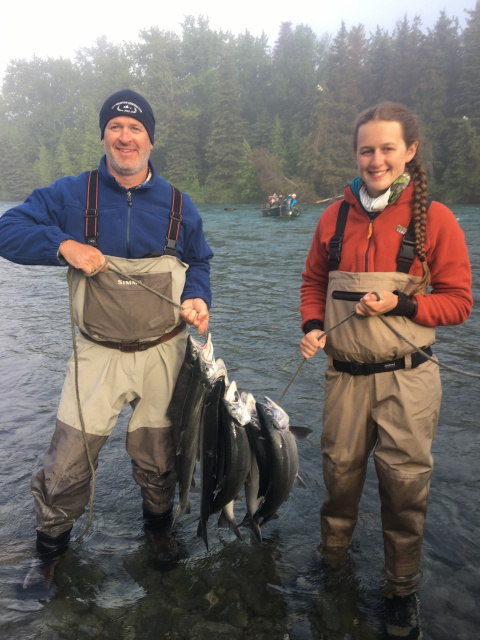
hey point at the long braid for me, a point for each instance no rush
(419, 214)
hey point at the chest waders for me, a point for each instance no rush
(380, 397)
(130, 350)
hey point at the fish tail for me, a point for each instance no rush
(224, 522)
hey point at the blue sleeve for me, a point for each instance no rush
(197, 254)
(31, 232)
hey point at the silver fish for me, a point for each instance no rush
(281, 449)
(234, 456)
(177, 402)
(257, 481)
(204, 370)
(209, 440)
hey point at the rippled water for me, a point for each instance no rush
(107, 586)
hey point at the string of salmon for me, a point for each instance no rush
(397, 333)
(75, 357)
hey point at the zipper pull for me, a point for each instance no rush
(129, 198)
(370, 230)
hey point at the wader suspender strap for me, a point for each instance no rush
(175, 219)
(91, 212)
(336, 241)
(405, 256)
(91, 216)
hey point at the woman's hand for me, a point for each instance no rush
(370, 305)
(310, 343)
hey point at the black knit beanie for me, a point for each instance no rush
(128, 103)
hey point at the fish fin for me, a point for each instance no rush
(222, 521)
(177, 516)
(236, 530)
(273, 516)
(226, 523)
(202, 531)
(253, 525)
(178, 451)
(246, 520)
(300, 432)
(220, 485)
(300, 482)
(256, 530)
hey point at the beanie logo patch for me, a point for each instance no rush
(127, 107)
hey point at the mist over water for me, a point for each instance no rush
(108, 586)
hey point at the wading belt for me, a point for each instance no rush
(367, 368)
(91, 216)
(405, 256)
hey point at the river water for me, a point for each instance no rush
(107, 585)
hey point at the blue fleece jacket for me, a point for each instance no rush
(131, 224)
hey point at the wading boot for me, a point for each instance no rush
(49, 552)
(158, 531)
(402, 617)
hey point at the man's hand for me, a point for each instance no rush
(81, 256)
(195, 311)
(310, 343)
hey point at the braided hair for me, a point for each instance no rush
(396, 112)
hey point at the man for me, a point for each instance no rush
(131, 343)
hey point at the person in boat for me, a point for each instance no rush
(131, 343)
(272, 200)
(383, 251)
(293, 200)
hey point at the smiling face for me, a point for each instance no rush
(127, 147)
(382, 154)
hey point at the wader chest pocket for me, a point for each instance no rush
(117, 308)
(352, 296)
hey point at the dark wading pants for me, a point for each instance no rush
(395, 414)
(108, 380)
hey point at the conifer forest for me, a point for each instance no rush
(239, 118)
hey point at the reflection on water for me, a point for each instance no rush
(108, 586)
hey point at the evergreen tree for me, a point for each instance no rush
(469, 86)
(378, 64)
(406, 62)
(90, 148)
(247, 188)
(461, 182)
(16, 180)
(43, 168)
(278, 144)
(181, 167)
(434, 94)
(63, 158)
(254, 68)
(224, 147)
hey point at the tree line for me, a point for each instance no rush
(238, 119)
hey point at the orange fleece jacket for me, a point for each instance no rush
(371, 245)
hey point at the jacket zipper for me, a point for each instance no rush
(129, 216)
(369, 238)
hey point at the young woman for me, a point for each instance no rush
(383, 251)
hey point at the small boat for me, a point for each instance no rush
(282, 209)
